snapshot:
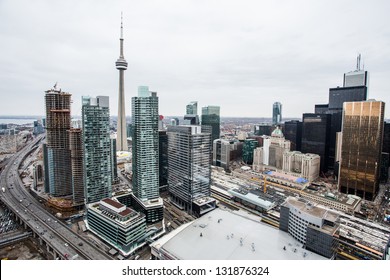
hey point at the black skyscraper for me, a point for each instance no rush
(316, 136)
(293, 132)
(163, 159)
(386, 138)
(337, 96)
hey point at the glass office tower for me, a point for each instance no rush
(276, 113)
(361, 148)
(211, 117)
(189, 168)
(316, 137)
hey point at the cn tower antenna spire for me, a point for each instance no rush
(121, 25)
(121, 65)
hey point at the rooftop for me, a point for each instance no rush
(306, 207)
(113, 203)
(225, 235)
(252, 198)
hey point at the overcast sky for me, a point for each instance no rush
(241, 55)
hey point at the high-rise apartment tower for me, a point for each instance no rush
(97, 148)
(146, 153)
(58, 160)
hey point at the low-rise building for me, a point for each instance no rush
(311, 225)
(117, 224)
(226, 235)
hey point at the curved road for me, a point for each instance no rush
(58, 236)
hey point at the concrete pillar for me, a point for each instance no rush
(40, 241)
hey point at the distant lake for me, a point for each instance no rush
(17, 121)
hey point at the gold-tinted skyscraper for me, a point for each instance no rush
(362, 136)
(121, 65)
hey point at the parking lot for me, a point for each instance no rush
(7, 221)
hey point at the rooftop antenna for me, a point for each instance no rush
(358, 62)
(121, 25)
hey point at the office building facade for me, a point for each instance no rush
(114, 162)
(76, 150)
(276, 113)
(316, 136)
(189, 169)
(362, 136)
(211, 117)
(312, 226)
(247, 150)
(163, 159)
(192, 108)
(117, 224)
(263, 129)
(222, 152)
(293, 132)
(386, 138)
(96, 148)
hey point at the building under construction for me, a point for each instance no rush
(58, 159)
(76, 150)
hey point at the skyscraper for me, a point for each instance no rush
(163, 159)
(114, 167)
(263, 129)
(146, 154)
(386, 138)
(359, 77)
(58, 159)
(337, 97)
(189, 169)
(191, 117)
(293, 132)
(211, 117)
(277, 113)
(354, 89)
(121, 65)
(76, 150)
(247, 150)
(362, 136)
(192, 108)
(97, 148)
(316, 136)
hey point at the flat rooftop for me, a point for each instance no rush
(225, 235)
(252, 198)
(312, 209)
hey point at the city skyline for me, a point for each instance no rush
(257, 53)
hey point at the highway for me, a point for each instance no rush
(57, 236)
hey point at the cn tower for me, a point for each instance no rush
(121, 65)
